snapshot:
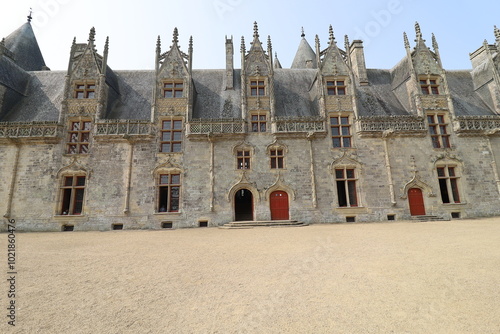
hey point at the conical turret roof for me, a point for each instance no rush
(22, 43)
(305, 56)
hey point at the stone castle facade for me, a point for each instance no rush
(324, 141)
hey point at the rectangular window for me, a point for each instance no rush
(169, 192)
(79, 137)
(72, 193)
(448, 184)
(341, 131)
(243, 159)
(259, 123)
(429, 86)
(335, 87)
(277, 159)
(438, 131)
(171, 136)
(173, 89)
(257, 88)
(85, 90)
(346, 187)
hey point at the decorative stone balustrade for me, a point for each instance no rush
(123, 127)
(309, 124)
(480, 125)
(31, 130)
(216, 126)
(410, 125)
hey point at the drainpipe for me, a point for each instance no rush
(310, 137)
(13, 180)
(126, 210)
(385, 136)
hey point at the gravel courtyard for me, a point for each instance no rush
(398, 277)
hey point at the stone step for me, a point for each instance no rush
(267, 223)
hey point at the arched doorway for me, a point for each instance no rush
(279, 205)
(243, 205)
(416, 201)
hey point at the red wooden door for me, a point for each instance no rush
(279, 206)
(416, 200)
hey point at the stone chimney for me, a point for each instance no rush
(229, 63)
(357, 57)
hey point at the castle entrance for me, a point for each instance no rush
(416, 201)
(279, 205)
(243, 205)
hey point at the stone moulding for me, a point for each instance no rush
(409, 125)
(339, 103)
(477, 125)
(434, 102)
(32, 130)
(300, 124)
(82, 107)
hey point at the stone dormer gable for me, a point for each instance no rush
(333, 61)
(173, 64)
(85, 62)
(424, 60)
(256, 62)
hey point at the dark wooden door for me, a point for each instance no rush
(279, 206)
(416, 200)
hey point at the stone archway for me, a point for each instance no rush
(243, 205)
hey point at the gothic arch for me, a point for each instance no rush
(73, 168)
(345, 161)
(276, 145)
(243, 183)
(416, 182)
(279, 184)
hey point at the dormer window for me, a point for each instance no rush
(257, 88)
(173, 89)
(429, 86)
(85, 90)
(335, 87)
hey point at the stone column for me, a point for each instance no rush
(385, 136)
(126, 210)
(310, 137)
(13, 180)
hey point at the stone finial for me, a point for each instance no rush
(190, 44)
(92, 35)
(175, 38)
(434, 42)
(255, 30)
(3, 42)
(316, 40)
(74, 41)
(302, 34)
(158, 44)
(346, 43)
(269, 44)
(332, 37)
(106, 44)
(243, 49)
(29, 16)
(407, 43)
(418, 32)
(497, 34)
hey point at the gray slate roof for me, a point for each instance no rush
(296, 92)
(22, 43)
(304, 54)
(466, 102)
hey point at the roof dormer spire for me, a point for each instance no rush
(332, 37)
(92, 35)
(418, 32)
(29, 16)
(175, 38)
(255, 30)
(303, 34)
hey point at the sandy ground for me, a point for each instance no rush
(401, 277)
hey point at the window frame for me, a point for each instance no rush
(429, 85)
(79, 137)
(243, 159)
(347, 187)
(164, 192)
(449, 183)
(277, 158)
(338, 135)
(258, 87)
(69, 194)
(171, 131)
(176, 88)
(83, 89)
(438, 130)
(257, 121)
(336, 86)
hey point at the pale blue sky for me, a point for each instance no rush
(133, 26)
